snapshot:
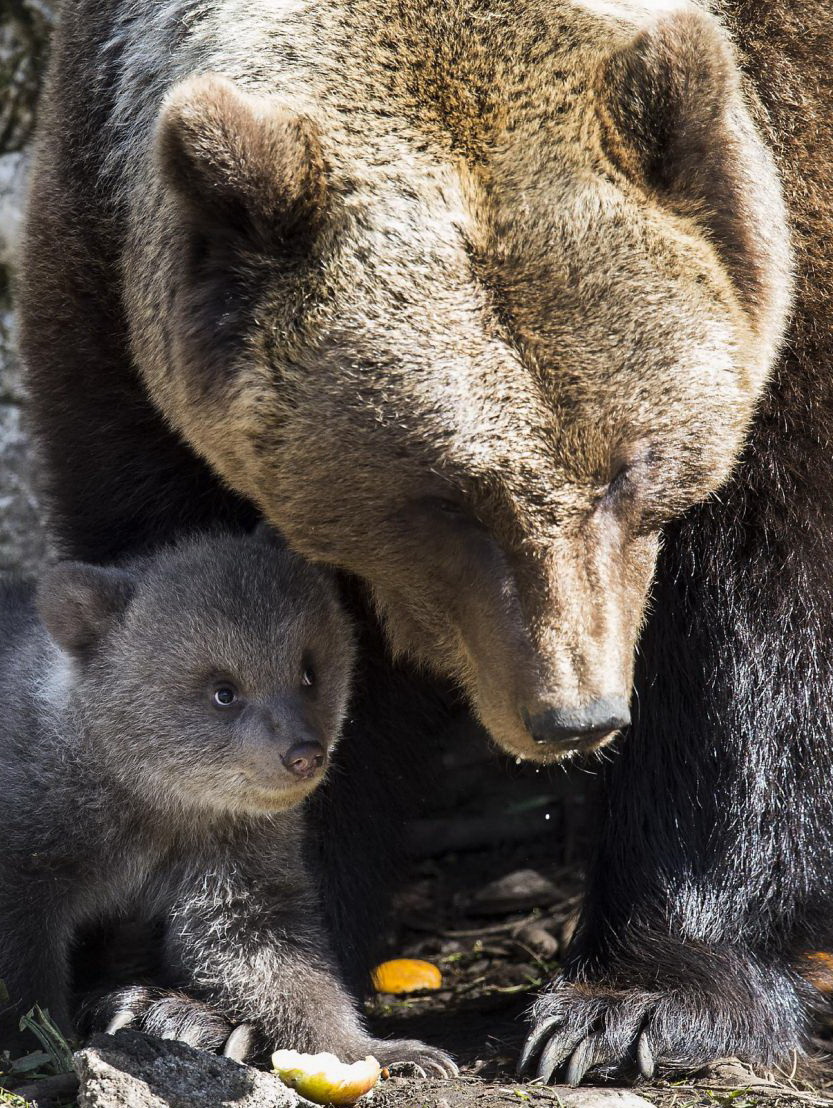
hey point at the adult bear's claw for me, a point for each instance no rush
(583, 1058)
(755, 1012)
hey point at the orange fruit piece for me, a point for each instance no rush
(819, 971)
(406, 975)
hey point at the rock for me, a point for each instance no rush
(568, 929)
(601, 1098)
(22, 539)
(131, 1070)
(13, 167)
(515, 892)
(24, 36)
(539, 940)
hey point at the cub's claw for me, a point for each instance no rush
(238, 1045)
(536, 1036)
(421, 1059)
(121, 1019)
(645, 1057)
(164, 1014)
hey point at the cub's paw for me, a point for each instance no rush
(582, 1028)
(410, 1057)
(169, 1014)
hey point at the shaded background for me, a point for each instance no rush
(24, 37)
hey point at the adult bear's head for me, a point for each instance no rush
(471, 317)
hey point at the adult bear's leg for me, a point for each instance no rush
(715, 867)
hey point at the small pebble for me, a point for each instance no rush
(537, 938)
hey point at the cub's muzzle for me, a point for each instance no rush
(305, 759)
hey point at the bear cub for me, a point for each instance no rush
(163, 721)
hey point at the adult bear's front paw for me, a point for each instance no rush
(602, 1028)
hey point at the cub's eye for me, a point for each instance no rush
(308, 676)
(225, 696)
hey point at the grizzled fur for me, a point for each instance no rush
(474, 300)
(130, 789)
(530, 331)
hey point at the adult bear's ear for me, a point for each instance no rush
(79, 603)
(675, 119)
(242, 161)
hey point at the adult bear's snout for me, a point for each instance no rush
(579, 727)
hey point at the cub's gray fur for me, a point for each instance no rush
(162, 723)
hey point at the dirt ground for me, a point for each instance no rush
(494, 959)
(491, 899)
(495, 914)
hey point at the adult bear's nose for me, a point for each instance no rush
(304, 759)
(579, 727)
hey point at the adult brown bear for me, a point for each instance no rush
(472, 298)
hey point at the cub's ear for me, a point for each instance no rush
(268, 535)
(78, 603)
(242, 160)
(675, 119)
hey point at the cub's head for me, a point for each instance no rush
(478, 338)
(213, 675)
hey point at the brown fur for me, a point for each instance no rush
(527, 314)
(543, 276)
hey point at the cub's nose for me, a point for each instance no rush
(579, 727)
(304, 759)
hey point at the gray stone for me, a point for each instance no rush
(24, 32)
(22, 538)
(13, 167)
(130, 1070)
(24, 35)
(514, 892)
(601, 1098)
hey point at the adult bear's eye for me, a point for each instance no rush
(620, 481)
(449, 507)
(628, 476)
(455, 510)
(225, 696)
(308, 677)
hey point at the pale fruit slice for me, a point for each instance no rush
(406, 975)
(324, 1079)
